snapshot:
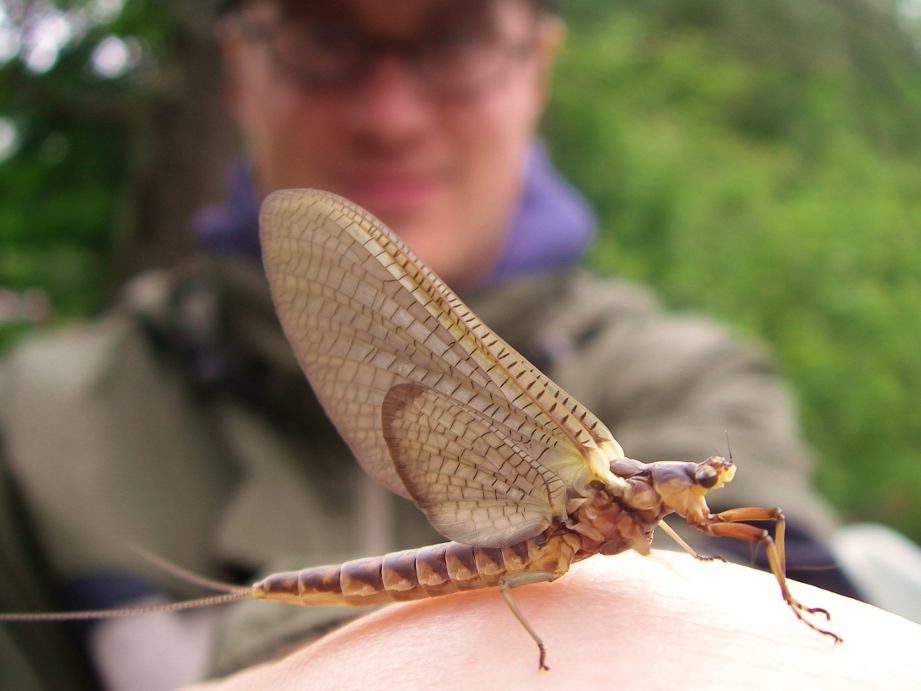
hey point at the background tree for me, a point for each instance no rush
(115, 134)
(758, 160)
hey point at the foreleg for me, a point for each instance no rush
(729, 524)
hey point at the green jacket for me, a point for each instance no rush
(180, 421)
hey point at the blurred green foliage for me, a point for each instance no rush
(760, 161)
(62, 187)
(755, 160)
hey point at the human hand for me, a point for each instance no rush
(658, 622)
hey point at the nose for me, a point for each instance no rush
(388, 107)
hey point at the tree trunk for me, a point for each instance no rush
(182, 142)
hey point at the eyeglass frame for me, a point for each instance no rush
(373, 48)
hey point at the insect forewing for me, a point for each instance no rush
(365, 315)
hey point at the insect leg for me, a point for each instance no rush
(668, 530)
(726, 524)
(515, 580)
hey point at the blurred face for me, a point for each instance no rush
(420, 111)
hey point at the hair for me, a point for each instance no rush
(227, 6)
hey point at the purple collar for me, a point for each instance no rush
(550, 230)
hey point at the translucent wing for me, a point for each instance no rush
(364, 314)
(470, 475)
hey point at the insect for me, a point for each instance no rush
(521, 478)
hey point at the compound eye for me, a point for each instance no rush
(706, 477)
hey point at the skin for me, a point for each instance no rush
(658, 622)
(445, 174)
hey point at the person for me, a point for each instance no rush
(180, 421)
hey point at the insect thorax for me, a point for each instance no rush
(612, 518)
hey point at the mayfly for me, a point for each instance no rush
(520, 477)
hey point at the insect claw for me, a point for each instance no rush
(541, 666)
(798, 609)
(837, 638)
(813, 610)
(819, 610)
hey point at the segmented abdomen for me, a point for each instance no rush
(414, 574)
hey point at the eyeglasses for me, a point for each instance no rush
(449, 62)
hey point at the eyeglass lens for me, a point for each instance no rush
(461, 48)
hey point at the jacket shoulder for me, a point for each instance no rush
(100, 434)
